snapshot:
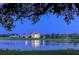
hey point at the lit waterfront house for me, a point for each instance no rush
(24, 36)
(14, 36)
(35, 35)
(27, 36)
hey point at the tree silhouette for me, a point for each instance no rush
(34, 11)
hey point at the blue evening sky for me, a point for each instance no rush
(48, 24)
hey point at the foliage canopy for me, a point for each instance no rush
(34, 11)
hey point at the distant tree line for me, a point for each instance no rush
(54, 36)
(6, 35)
(61, 36)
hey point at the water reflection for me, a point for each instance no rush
(7, 43)
(37, 45)
(33, 43)
(26, 42)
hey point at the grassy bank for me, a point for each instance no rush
(43, 52)
(14, 38)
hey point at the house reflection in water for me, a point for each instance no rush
(33, 43)
(42, 43)
(36, 43)
(26, 42)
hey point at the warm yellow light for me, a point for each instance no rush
(36, 43)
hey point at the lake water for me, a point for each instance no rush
(36, 45)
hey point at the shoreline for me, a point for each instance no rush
(40, 52)
(52, 39)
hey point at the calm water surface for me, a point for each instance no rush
(36, 45)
